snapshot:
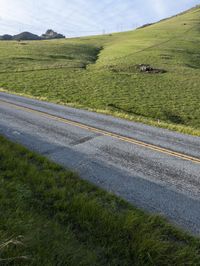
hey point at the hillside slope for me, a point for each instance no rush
(112, 81)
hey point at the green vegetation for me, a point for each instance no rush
(100, 73)
(51, 217)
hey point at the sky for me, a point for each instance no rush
(84, 17)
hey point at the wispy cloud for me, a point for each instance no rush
(160, 7)
(84, 17)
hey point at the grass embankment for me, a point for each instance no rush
(80, 73)
(62, 220)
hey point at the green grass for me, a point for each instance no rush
(51, 217)
(100, 73)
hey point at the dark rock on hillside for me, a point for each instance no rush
(145, 25)
(6, 37)
(26, 36)
(144, 68)
(50, 34)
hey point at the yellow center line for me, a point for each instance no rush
(104, 132)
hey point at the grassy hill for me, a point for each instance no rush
(101, 73)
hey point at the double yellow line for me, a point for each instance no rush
(103, 132)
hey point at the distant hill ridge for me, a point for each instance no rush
(50, 34)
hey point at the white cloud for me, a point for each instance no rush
(160, 7)
(83, 17)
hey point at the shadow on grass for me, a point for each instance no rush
(172, 117)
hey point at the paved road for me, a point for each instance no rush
(155, 169)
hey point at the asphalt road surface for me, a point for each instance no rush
(155, 169)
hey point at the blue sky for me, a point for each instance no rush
(84, 17)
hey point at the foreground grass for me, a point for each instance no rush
(51, 217)
(100, 73)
